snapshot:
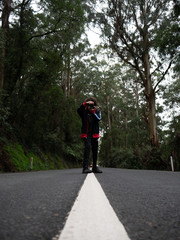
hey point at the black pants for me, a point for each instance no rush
(88, 143)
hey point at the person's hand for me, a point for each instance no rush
(91, 109)
(90, 102)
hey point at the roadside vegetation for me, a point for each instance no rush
(48, 67)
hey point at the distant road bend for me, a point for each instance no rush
(65, 204)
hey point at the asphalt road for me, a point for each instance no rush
(146, 202)
(35, 205)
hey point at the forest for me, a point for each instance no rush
(48, 67)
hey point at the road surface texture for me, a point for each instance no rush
(146, 202)
(35, 205)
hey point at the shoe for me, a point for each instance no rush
(96, 170)
(86, 170)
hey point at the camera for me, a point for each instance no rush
(91, 106)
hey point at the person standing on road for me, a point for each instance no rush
(90, 116)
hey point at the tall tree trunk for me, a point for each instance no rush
(5, 25)
(68, 76)
(108, 112)
(137, 99)
(125, 115)
(63, 84)
(152, 120)
(133, 44)
(150, 97)
(125, 127)
(2, 67)
(137, 108)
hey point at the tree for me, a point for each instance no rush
(41, 45)
(167, 39)
(6, 9)
(171, 139)
(129, 28)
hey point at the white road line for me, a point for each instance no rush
(92, 217)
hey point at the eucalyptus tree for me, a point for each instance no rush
(129, 27)
(40, 41)
(6, 10)
(112, 83)
(167, 38)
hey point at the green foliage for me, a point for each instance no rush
(50, 70)
(167, 38)
(5, 113)
(51, 123)
(6, 164)
(37, 110)
(171, 143)
(137, 154)
(123, 158)
(21, 159)
(144, 157)
(74, 153)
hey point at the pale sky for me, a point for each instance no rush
(93, 36)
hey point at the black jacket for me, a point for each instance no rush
(90, 121)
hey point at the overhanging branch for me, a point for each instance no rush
(41, 35)
(170, 63)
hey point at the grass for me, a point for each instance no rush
(21, 159)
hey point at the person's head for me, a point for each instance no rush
(93, 99)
